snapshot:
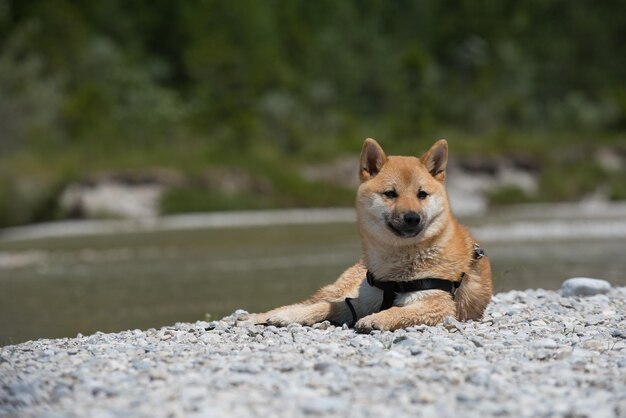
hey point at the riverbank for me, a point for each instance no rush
(535, 353)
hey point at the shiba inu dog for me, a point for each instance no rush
(418, 263)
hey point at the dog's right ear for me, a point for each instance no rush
(372, 159)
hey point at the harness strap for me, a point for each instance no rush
(352, 311)
(390, 289)
(388, 298)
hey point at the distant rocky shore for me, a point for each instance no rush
(136, 195)
(535, 353)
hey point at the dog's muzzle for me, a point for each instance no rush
(407, 225)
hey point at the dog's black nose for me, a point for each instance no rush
(411, 218)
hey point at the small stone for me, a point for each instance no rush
(324, 406)
(239, 313)
(565, 303)
(60, 391)
(395, 363)
(203, 325)
(322, 325)
(451, 324)
(460, 348)
(594, 320)
(618, 333)
(545, 343)
(322, 366)
(415, 351)
(141, 365)
(477, 341)
(417, 328)
(295, 327)
(286, 367)
(462, 397)
(404, 341)
(158, 374)
(425, 398)
(584, 286)
(193, 393)
(182, 337)
(594, 345)
(246, 368)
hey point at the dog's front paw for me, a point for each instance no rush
(287, 316)
(371, 323)
(256, 319)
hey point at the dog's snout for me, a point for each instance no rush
(405, 224)
(412, 218)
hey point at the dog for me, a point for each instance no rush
(418, 263)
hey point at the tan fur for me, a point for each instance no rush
(442, 248)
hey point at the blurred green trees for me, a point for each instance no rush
(289, 71)
(145, 82)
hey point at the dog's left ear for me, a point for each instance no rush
(436, 159)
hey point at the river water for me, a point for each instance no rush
(58, 286)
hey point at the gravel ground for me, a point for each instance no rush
(535, 354)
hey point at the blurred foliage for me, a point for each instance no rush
(508, 195)
(105, 84)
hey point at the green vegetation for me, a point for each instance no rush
(282, 189)
(95, 86)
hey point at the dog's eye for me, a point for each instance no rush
(421, 195)
(391, 194)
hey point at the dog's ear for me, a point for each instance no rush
(372, 159)
(436, 159)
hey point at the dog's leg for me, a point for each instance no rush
(306, 314)
(301, 313)
(429, 310)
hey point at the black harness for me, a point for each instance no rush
(391, 289)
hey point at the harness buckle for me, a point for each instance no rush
(478, 252)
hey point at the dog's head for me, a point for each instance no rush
(402, 200)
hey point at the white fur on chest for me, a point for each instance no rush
(410, 298)
(368, 300)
